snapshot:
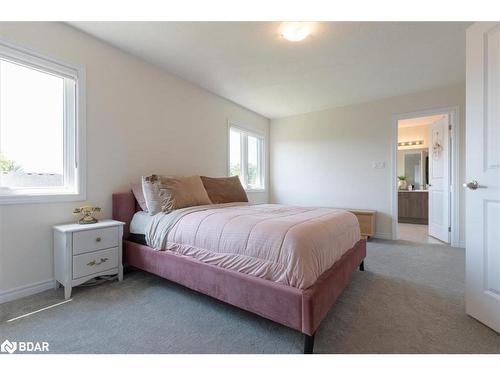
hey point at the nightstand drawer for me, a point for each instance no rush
(90, 263)
(94, 239)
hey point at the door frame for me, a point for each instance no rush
(454, 115)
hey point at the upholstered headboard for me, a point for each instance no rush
(124, 208)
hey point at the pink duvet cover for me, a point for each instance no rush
(289, 245)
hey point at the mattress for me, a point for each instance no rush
(285, 244)
(138, 225)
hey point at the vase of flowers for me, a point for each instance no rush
(402, 183)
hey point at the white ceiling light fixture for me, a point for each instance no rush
(296, 31)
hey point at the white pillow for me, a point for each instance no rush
(152, 193)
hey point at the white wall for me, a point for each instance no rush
(325, 158)
(139, 120)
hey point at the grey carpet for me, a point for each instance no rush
(409, 300)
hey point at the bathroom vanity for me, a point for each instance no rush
(413, 206)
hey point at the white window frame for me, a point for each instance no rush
(74, 130)
(245, 131)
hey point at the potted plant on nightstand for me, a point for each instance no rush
(402, 184)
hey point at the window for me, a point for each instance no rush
(246, 157)
(40, 156)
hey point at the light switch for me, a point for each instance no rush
(378, 164)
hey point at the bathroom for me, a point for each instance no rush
(414, 153)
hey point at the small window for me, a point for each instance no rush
(246, 157)
(39, 150)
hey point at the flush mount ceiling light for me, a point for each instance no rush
(296, 31)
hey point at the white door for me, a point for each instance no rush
(439, 179)
(482, 194)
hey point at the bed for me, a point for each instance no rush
(296, 291)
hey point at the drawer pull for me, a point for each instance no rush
(98, 239)
(95, 263)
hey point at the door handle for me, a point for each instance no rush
(473, 185)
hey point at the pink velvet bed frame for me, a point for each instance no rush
(300, 309)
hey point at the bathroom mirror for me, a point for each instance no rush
(414, 164)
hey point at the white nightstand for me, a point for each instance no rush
(82, 252)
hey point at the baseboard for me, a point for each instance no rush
(383, 236)
(25, 291)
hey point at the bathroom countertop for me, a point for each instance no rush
(413, 191)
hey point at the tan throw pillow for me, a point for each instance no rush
(163, 193)
(180, 192)
(224, 189)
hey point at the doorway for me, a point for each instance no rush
(425, 170)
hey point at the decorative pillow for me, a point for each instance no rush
(139, 196)
(224, 189)
(152, 193)
(180, 192)
(163, 193)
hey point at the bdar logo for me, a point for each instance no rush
(8, 347)
(24, 346)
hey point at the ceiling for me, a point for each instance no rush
(340, 63)
(419, 121)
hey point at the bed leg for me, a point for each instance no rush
(362, 266)
(308, 344)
